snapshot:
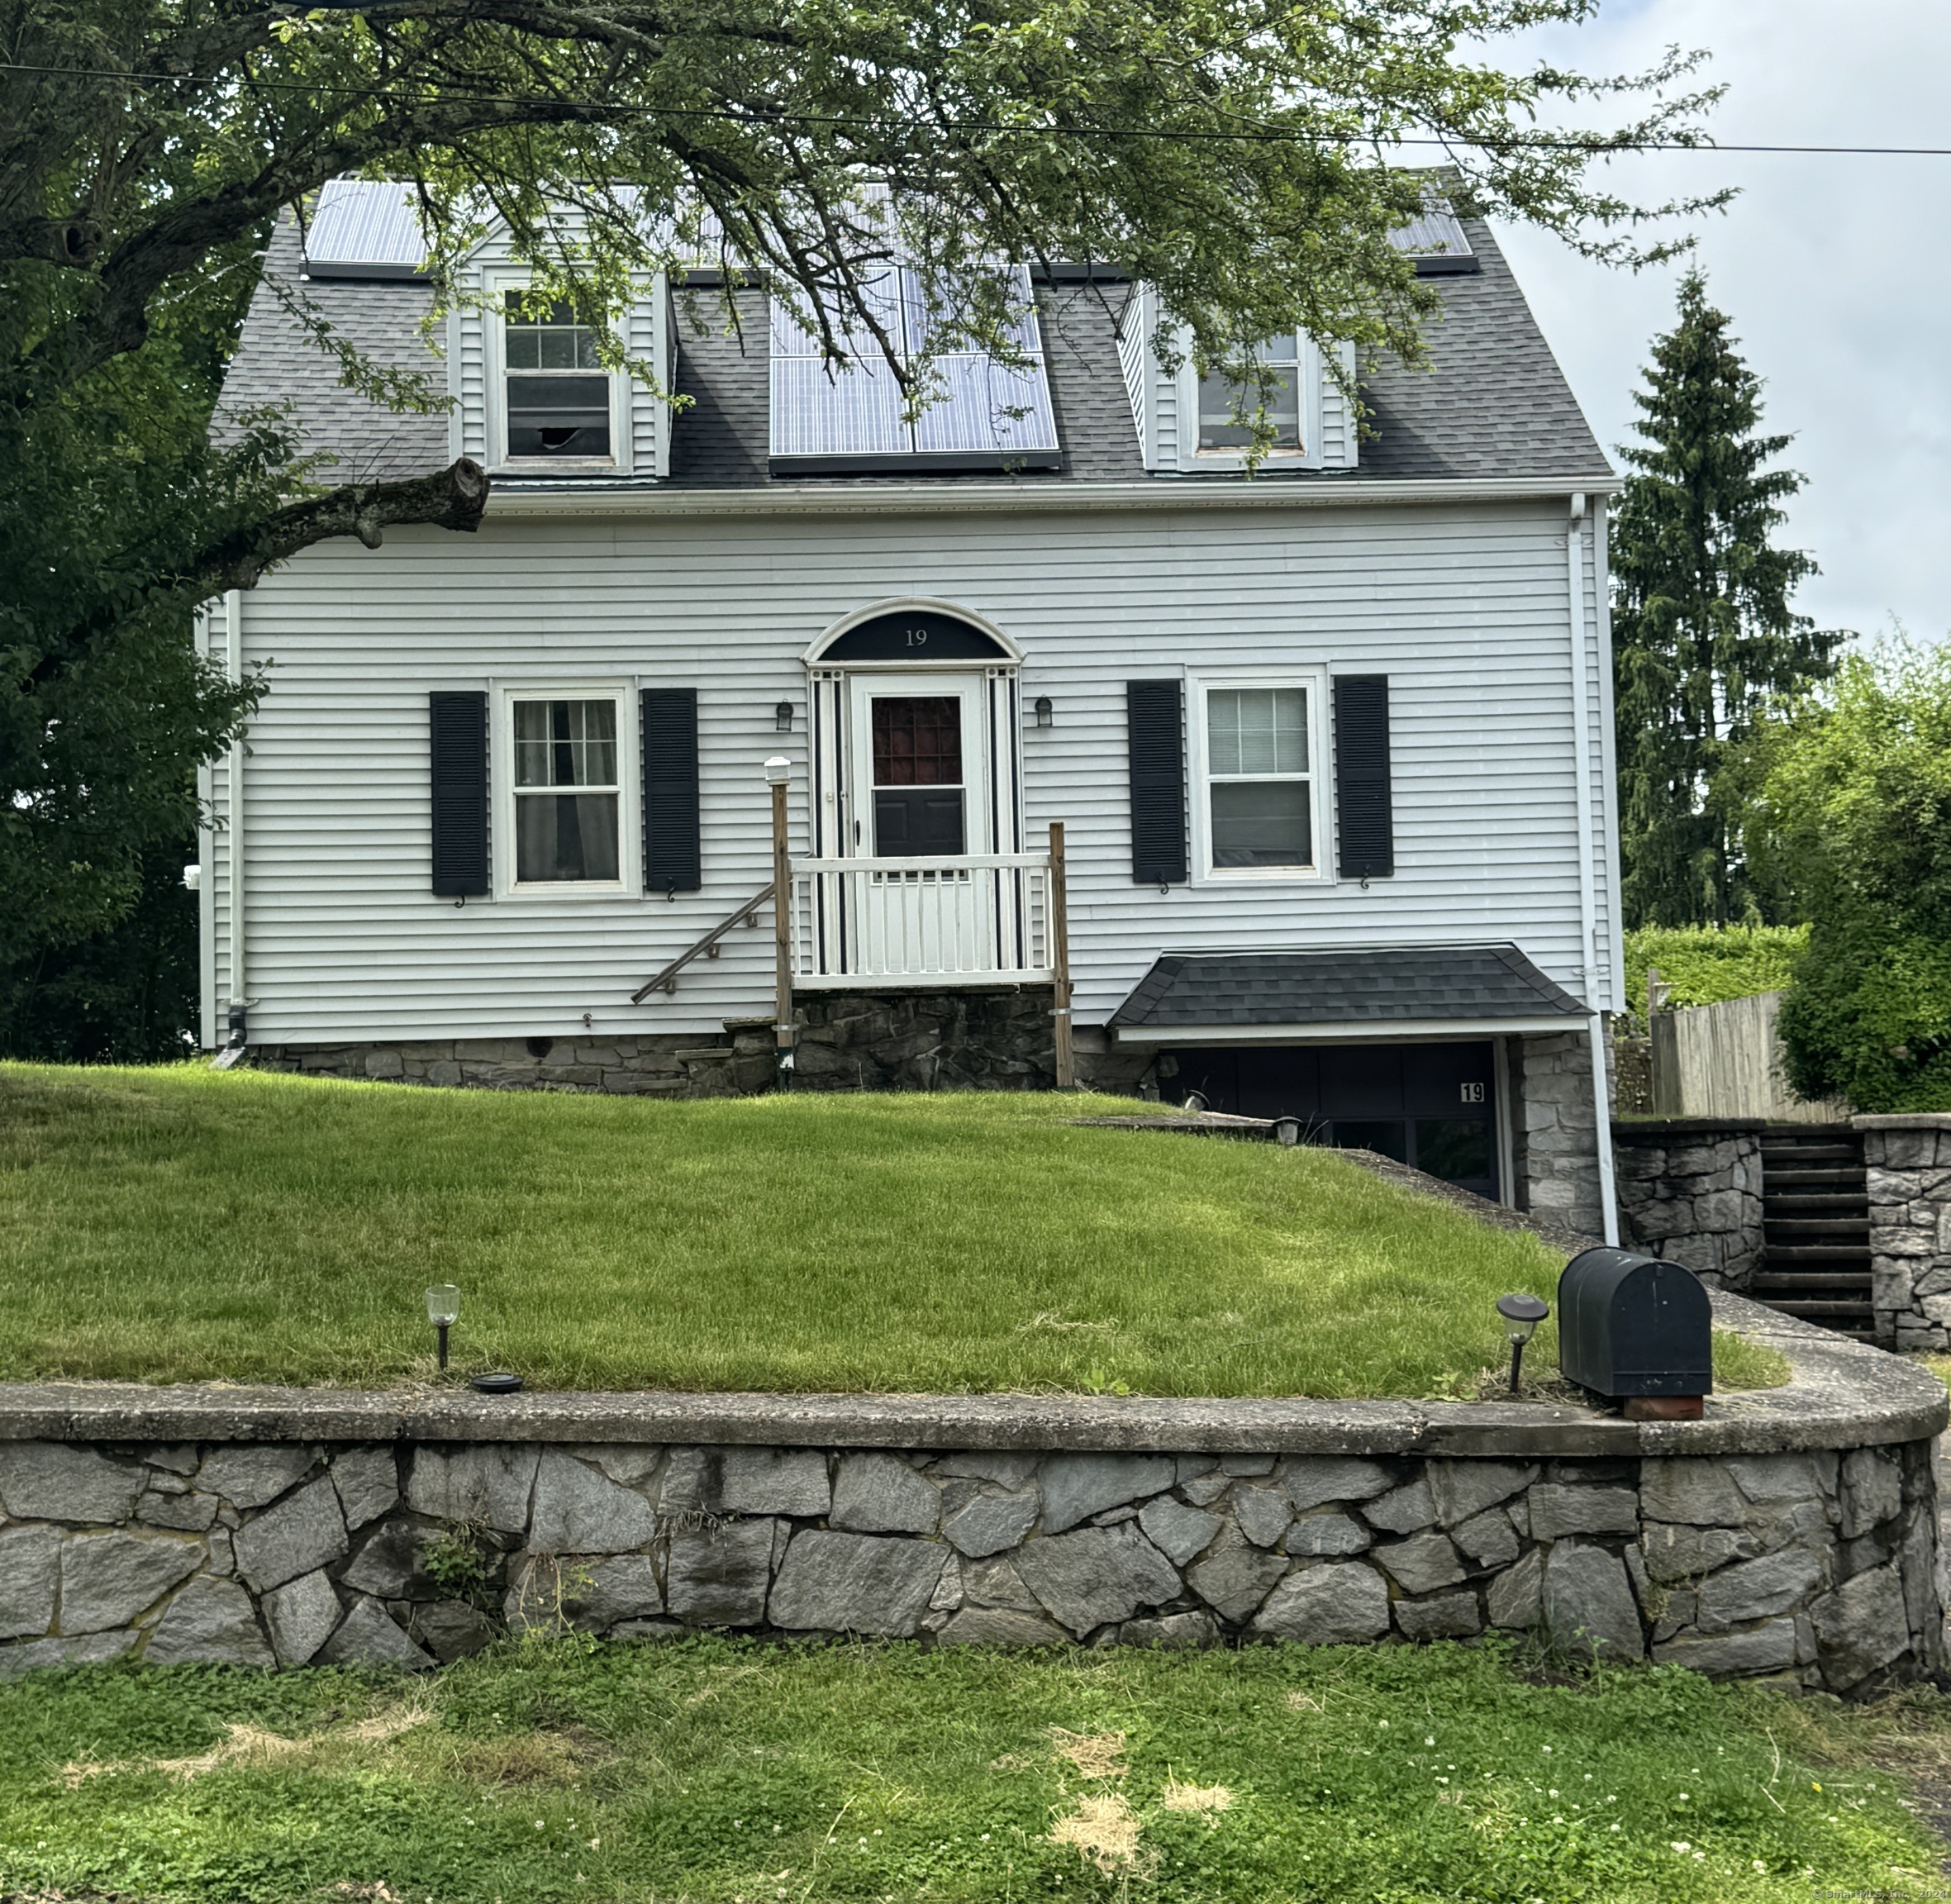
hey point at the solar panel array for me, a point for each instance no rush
(364, 228)
(982, 413)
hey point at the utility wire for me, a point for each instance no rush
(1596, 143)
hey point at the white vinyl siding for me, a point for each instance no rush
(1465, 607)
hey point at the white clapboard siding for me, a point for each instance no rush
(1465, 607)
(1340, 433)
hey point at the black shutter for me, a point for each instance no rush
(1362, 794)
(457, 724)
(673, 861)
(1156, 735)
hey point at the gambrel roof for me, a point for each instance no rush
(1494, 406)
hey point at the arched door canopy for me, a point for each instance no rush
(920, 633)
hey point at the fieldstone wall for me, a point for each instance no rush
(1907, 1169)
(1555, 1131)
(1817, 1564)
(1689, 1190)
(993, 1040)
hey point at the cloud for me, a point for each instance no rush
(1836, 271)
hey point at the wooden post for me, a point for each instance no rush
(1060, 961)
(783, 1031)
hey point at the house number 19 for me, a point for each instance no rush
(1473, 1093)
(917, 637)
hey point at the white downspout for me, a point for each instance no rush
(239, 1001)
(1587, 902)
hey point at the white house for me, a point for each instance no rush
(1330, 743)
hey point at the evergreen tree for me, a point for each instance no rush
(1704, 634)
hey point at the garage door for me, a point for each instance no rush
(1432, 1106)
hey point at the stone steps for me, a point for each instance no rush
(1815, 1230)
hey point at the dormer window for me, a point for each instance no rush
(1223, 403)
(557, 395)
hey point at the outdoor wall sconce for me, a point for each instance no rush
(783, 718)
(1521, 1314)
(1045, 715)
(1639, 1331)
(443, 1311)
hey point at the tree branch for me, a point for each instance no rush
(451, 498)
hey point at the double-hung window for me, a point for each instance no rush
(567, 793)
(1260, 798)
(556, 395)
(1223, 402)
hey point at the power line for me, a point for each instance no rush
(1597, 144)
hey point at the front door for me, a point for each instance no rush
(918, 792)
(919, 778)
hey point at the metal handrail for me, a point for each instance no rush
(666, 981)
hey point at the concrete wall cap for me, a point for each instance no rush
(1903, 1121)
(1842, 1395)
(1656, 1130)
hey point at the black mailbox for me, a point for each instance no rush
(1633, 1326)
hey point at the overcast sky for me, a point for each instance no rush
(1835, 270)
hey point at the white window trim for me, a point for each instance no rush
(501, 766)
(1321, 781)
(1308, 370)
(495, 286)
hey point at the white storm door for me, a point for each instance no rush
(919, 792)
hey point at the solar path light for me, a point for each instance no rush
(1521, 1314)
(443, 1311)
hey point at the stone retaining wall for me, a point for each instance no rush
(1791, 1533)
(1907, 1168)
(1689, 1190)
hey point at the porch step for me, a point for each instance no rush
(1810, 1154)
(1792, 1230)
(1800, 1255)
(1815, 1203)
(1811, 1311)
(1798, 1181)
(1810, 1282)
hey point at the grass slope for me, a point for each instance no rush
(176, 1224)
(726, 1772)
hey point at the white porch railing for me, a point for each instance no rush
(981, 918)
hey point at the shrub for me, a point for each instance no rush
(1852, 816)
(1709, 965)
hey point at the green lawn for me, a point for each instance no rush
(739, 1772)
(177, 1224)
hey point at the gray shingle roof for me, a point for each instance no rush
(1494, 401)
(1494, 404)
(1352, 985)
(276, 363)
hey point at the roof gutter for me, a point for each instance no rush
(1343, 1032)
(1030, 496)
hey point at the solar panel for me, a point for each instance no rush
(982, 414)
(364, 228)
(1436, 241)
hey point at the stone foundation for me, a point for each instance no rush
(972, 1040)
(1689, 1190)
(1792, 1536)
(1907, 1169)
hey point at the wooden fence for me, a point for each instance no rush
(1725, 1061)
